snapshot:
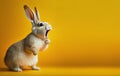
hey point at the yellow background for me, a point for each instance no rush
(85, 32)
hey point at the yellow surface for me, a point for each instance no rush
(87, 71)
(85, 32)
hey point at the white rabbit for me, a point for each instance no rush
(25, 52)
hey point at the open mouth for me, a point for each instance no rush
(46, 34)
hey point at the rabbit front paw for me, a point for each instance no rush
(35, 53)
(47, 41)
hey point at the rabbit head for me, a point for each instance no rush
(39, 28)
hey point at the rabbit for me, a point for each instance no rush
(25, 52)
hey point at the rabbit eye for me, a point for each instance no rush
(40, 24)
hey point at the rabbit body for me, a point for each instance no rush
(20, 54)
(25, 52)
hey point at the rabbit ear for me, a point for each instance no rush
(29, 13)
(37, 13)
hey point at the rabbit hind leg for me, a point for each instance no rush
(16, 69)
(34, 67)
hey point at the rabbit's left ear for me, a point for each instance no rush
(29, 13)
(37, 13)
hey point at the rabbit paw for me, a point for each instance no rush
(35, 53)
(17, 69)
(35, 68)
(47, 41)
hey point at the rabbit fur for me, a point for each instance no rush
(25, 52)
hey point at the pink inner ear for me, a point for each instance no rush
(29, 12)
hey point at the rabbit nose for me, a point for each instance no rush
(48, 28)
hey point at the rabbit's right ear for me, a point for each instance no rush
(37, 13)
(29, 13)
